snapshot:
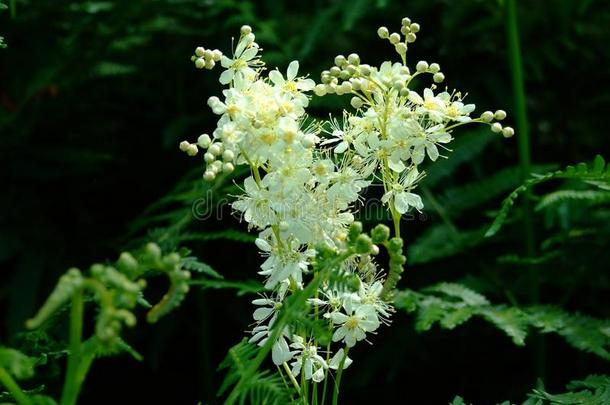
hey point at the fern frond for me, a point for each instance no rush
(261, 388)
(559, 196)
(596, 173)
(450, 305)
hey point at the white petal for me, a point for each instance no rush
(262, 313)
(293, 69)
(276, 77)
(401, 203)
(227, 76)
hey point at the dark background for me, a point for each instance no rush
(96, 95)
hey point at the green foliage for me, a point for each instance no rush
(593, 390)
(450, 305)
(16, 363)
(261, 387)
(596, 174)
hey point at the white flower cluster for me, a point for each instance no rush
(302, 189)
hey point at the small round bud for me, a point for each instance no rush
(192, 150)
(507, 132)
(344, 75)
(374, 250)
(356, 102)
(395, 38)
(209, 64)
(216, 55)
(487, 116)
(200, 63)
(153, 251)
(214, 149)
(228, 167)
(496, 127)
(383, 32)
(438, 77)
(351, 69)
(363, 244)
(404, 30)
(406, 22)
(346, 87)
(410, 38)
(245, 29)
(353, 58)
(228, 155)
(250, 38)
(204, 141)
(335, 71)
(380, 233)
(340, 60)
(216, 166)
(500, 115)
(364, 70)
(331, 88)
(401, 48)
(434, 68)
(398, 85)
(212, 101)
(208, 54)
(319, 90)
(421, 66)
(209, 175)
(184, 145)
(208, 157)
(308, 141)
(404, 92)
(199, 51)
(414, 27)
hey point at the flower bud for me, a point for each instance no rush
(356, 102)
(214, 149)
(335, 71)
(209, 64)
(401, 48)
(245, 29)
(410, 38)
(340, 60)
(421, 66)
(208, 54)
(319, 90)
(228, 155)
(394, 38)
(487, 116)
(363, 244)
(380, 233)
(507, 132)
(434, 68)
(184, 145)
(204, 141)
(383, 32)
(364, 70)
(353, 58)
(406, 22)
(209, 175)
(199, 51)
(192, 150)
(438, 77)
(216, 55)
(228, 167)
(414, 27)
(208, 157)
(500, 115)
(496, 127)
(199, 63)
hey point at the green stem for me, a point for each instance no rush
(72, 383)
(523, 140)
(291, 377)
(339, 374)
(12, 387)
(13, 7)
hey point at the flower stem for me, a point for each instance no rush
(291, 377)
(339, 374)
(523, 140)
(72, 382)
(11, 385)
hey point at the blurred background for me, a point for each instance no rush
(96, 95)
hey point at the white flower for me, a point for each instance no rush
(401, 194)
(240, 66)
(335, 362)
(354, 326)
(292, 84)
(307, 359)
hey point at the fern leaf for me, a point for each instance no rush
(596, 172)
(589, 196)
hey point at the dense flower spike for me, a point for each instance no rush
(307, 177)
